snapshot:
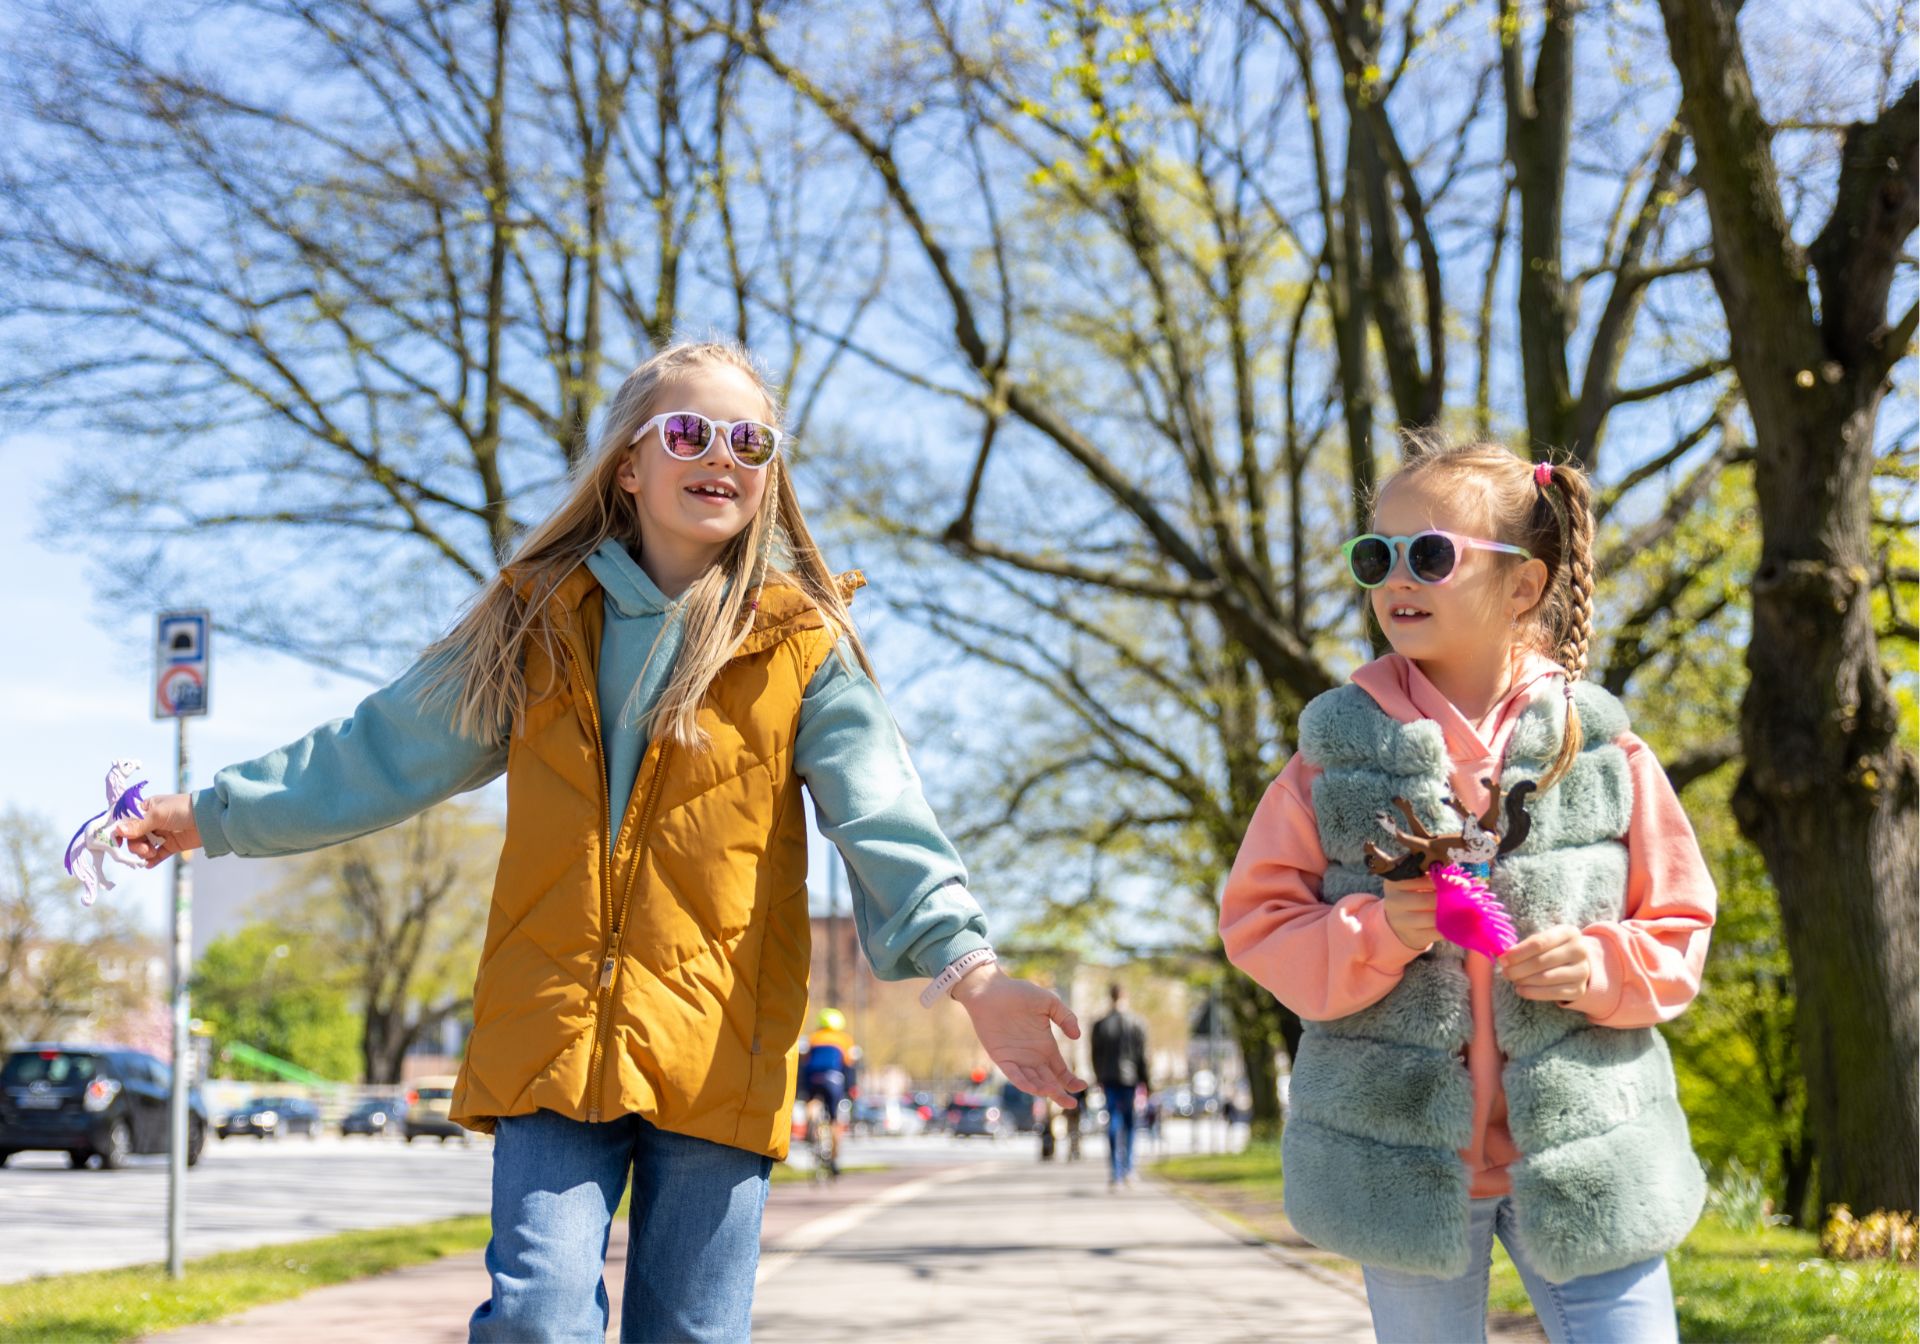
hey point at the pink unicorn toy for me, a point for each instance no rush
(94, 843)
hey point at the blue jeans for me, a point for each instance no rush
(1628, 1306)
(1120, 1126)
(693, 1244)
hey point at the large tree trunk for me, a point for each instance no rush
(1828, 797)
(1828, 794)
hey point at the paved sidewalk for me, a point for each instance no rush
(1039, 1252)
(992, 1250)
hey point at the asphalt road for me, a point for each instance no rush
(244, 1192)
(249, 1192)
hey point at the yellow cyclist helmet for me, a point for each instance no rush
(833, 1019)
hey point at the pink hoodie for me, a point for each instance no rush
(1326, 961)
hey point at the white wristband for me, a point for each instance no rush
(947, 979)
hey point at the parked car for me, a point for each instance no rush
(374, 1117)
(91, 1101)
(968, 1116)
(428, 1102)
(1019, 1108)
(270, 1117)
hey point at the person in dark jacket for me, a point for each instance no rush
(1120, 1066)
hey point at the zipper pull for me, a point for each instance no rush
(606, 972)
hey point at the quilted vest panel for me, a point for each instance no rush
(667, 979)
(1381, 1101)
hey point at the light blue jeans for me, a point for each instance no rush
(1624, 1306)
(693, 1232)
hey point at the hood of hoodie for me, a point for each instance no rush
(1400, 688)
(627, 586)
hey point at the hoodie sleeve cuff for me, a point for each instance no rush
(938, 956)
(207, 811)
(1380, 946)
(1605, 985)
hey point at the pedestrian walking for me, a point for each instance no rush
(1443, 1097)
(1120, 1067)
(661, 664)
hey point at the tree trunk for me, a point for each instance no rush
(1260, 1030)
(1828, 797)
(1828, 792)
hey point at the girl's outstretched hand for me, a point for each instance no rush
(1014, 1020)
(166, 830)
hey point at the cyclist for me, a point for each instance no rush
(827, 1076)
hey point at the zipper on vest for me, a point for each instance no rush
(585, 692)
(609, 965)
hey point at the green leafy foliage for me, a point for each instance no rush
(265, 986)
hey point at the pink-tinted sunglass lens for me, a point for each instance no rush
(754, 444)
(686, 435)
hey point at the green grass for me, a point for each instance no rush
(118, 1304)
(1728, 1284)
(121, 1304)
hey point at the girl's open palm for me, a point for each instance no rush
(1014, 1020)
(166, 830)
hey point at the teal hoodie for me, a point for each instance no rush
(392, 758)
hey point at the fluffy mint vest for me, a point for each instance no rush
(1381, 1103)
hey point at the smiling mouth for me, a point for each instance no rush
(712, 492)
(1408, 614)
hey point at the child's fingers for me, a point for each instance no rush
(1560, 984)
(1063, 1018)
(1523, 963)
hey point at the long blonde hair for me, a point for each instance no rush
(481, 660)
(1554, 522)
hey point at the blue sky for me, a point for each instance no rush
(76, 693)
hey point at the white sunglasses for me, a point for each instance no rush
(687, 435)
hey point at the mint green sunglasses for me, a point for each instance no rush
(1432, 556)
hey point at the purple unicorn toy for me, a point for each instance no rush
(94, 842)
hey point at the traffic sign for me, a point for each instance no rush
(182, 663)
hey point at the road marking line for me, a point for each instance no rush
(810, 1236)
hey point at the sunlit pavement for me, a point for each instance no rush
(251, 1192)
(955, 1240)
(244, 1192)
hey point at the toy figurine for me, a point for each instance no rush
(95, 841)
(1479, 841)
(1466, 911)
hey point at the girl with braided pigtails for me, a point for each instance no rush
(1442, 1097)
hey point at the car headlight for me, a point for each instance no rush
(266, 1118)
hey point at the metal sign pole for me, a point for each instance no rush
(182, 1047)
(182, 660)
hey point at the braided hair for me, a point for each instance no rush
(1547, 507)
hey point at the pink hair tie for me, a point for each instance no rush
(1543, 474)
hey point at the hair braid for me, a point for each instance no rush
(1570, 496)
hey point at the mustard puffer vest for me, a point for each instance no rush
(1381, 1103)
(665, 976)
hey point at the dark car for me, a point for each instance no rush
(91, 1101)
(1020, 1108)
(968, 1116)
(270, 1117)
(381, 1115)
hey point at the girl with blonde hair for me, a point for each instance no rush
(661, 666)
(1441, 1097)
